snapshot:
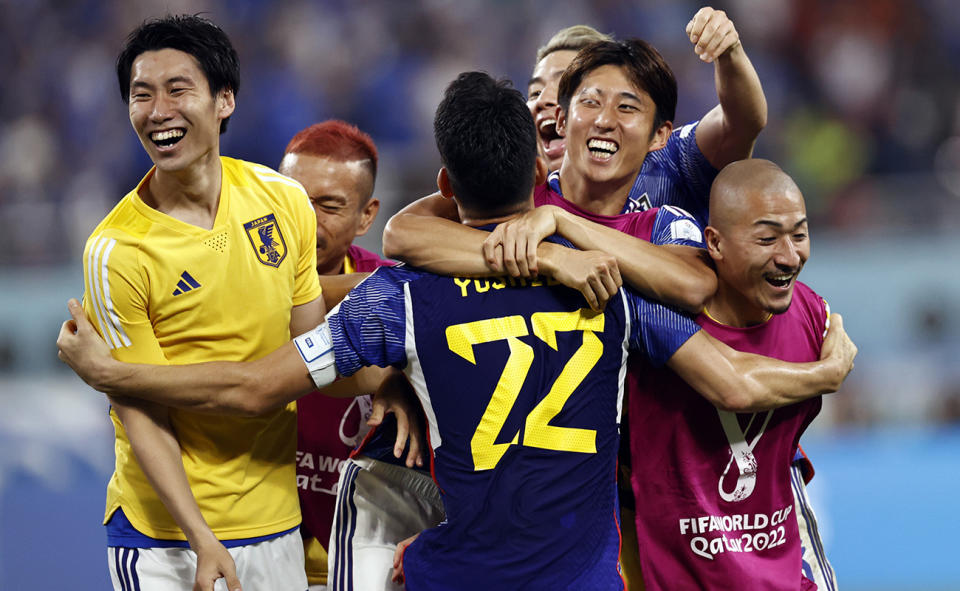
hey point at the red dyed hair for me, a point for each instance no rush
(337, 140)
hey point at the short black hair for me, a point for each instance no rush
(487, 142)
(644, 65)
(191, 34)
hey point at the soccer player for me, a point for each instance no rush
(337, 165)
(623, 95)
(678, 173)
(552, 59)
(207, 258)
(668, 167)
(713, 488)
(521, 383)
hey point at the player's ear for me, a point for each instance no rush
(561, 126)
(542, 171)
(712, 239)
(367, 215)
(660, 135)
(225, 103)
(443, 183)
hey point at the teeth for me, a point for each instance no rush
(781, 277)
(159, 136)
(603, 145)
(548, 123)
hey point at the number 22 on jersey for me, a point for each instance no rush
(537, 432)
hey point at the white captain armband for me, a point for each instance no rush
(316, 350)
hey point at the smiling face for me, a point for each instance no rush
(609, 128)
(172, 110)
(759, 248)
(542, 102)
(340, 193)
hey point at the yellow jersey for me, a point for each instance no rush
(162, 291)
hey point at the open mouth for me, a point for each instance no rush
(167, 137)
(780, 280)
(602, 149)
(553, 143)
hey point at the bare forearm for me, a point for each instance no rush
(365, 381)
(158, 453)
(659, 272)
(728, 131)
(740, 92)
(436, 244)
(743, 382)
(772, 383)
(218, 387)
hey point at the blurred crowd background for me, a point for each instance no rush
(864, 112)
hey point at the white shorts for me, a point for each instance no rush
(275, 564)
(378, 506)
(816, 567)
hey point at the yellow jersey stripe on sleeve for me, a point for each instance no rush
(93, 285)
(100, 279)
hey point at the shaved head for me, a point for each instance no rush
(757, 239)
(735, 191)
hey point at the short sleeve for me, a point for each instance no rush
(695, 170)
(677, 174)
(369, 326)
(115, 300)
(656, 330)
(676, 226)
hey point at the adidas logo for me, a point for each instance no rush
(186, 283)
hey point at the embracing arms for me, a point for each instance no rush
(744, 382)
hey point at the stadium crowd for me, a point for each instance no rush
(862, 94)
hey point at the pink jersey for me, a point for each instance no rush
(713, 498)
(660, 225)
(327, 431)
(638, 224)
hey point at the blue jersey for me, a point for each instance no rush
(677, 174)
(522, 388)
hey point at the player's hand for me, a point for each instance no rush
(396, 395)
(838, 346)
(80, 347)
(398, 576)
(712, 33)
(512, 245)
(214, 562)
(593, 273)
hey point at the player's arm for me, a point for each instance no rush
(743, 382)
(424, 234)
(728, 131)
(115, 297)
(336, 287)
(220, 387)
(428, 234)
(157, 450)
(673, 274)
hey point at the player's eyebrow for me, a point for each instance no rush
(325, 197)
(623, 94)
(181, 79)
(168, 82)
(535, 80)
(778, 225)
